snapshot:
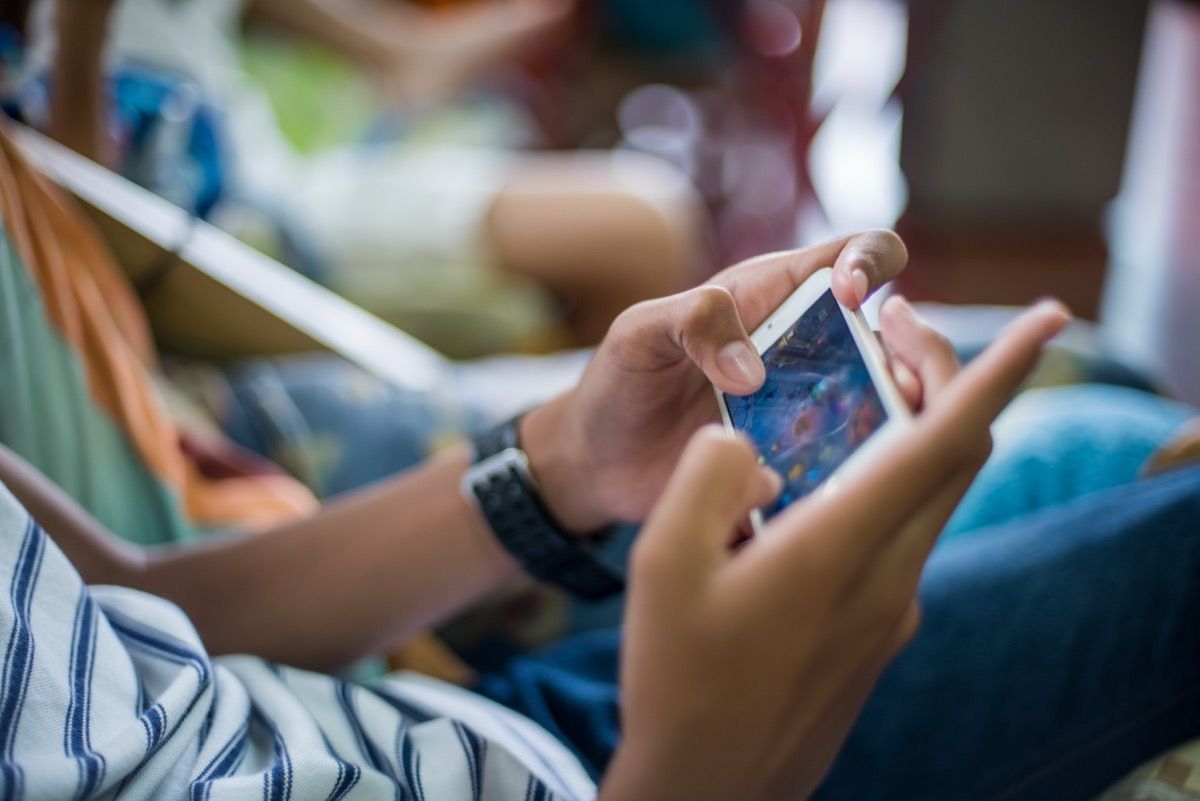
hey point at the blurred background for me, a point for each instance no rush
(506, 175)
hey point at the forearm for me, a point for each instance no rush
(362, 575)
(77, 106)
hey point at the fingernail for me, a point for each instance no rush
(860, 282)
(905, 376)
(897, 304)
(774, 479)
(1053, 304)
(738, 361)
(1054, 312)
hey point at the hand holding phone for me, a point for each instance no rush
(818, 607)
(828, 398)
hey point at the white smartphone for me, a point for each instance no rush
(828, 401)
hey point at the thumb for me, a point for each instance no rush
(716, 484)
(702, 325)
(710, 331)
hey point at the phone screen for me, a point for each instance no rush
(817, 405)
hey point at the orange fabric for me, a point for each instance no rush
(90, 302)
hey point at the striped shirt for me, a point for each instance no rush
(108, 693)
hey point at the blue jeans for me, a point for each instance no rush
(332, 425)
(1055, 445)
(1058, 651)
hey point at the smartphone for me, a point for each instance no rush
(828, 400)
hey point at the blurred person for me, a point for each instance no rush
(456, 227)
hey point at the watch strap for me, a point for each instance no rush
(504, 488)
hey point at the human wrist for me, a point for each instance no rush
(628, 778)
(558, 462)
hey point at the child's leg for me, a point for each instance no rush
(1055, 445)
(602, 230)
(1056, 654)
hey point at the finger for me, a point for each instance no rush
(954, 429)
(984, 387)
(867, 262)
(702, 325)
(716, 484)
(760, 284)
(906, 380)
(712, 320)
(925, 352)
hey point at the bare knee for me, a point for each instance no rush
(601, 221)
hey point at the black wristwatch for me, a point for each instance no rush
(500, 482)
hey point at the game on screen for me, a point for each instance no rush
(817, 406)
